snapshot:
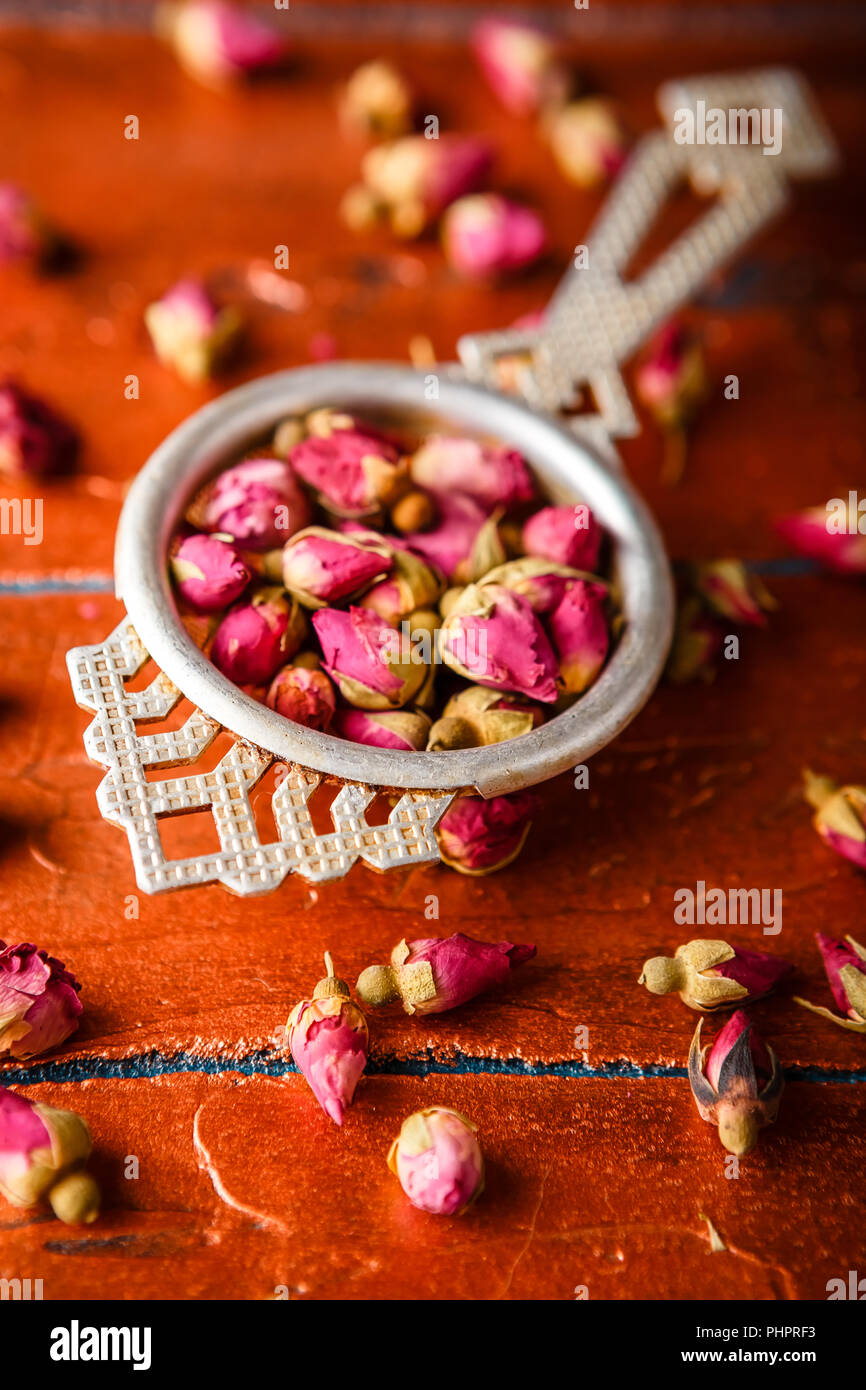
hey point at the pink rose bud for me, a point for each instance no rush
(485, 235)
(208, 573)
(39, 1004)
(354, 473)
(670, 379)
(588, 141)
(321, 567)
(24, 235)
(190, 332)
(377, 101)
(737, 1083)
(217, 42)
(374, 666)
(411, 584)
(438, 1160)
(520, 64)
(304, 695)
(566, 535)
(711, 975)
(834, 535)
(488, 473)
(42, 1153)
(478, 837)
(34, 440)
(476, 717)
(492, 637)
(578, 627)
(542, 583)
(845, 964)
(257, 637)
(259, 502)
(437, 973)
(450, 543)
(400, 729)
(329, 1040)
(416, 178)
(696, 645)
(840, 816)
(732, 592)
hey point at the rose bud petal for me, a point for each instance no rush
(41, 1154)
(374, 666)
(217, 42)
(492, 637)
(259, 502)
(329, 1040)
(737, 1083)
(255, 638)
(520, 63)
(436, 973)
(478, 837)
(696, 645)
(839, 542)
(377, 101)
(588, 141)
(34, 440)
(542, 583)
(190, 332)
(840, 816)
(476, 717)
(670, 379)
(412, 584)
(416, 178)
(491, 475)
(24, 236)
(303, 695)
(354, 473)
(438, 1160)
(566, 535)
(449, 544)
(208, 573)
(579, 629)
(485, 234)
(400, 729)
(321, 567)
(711, 975)
(733, 593)
(39, 1004)
(845, 964)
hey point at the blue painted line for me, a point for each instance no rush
(787, 566)
(152, 1064)
(29, 588)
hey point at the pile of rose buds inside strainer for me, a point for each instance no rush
(399, 592)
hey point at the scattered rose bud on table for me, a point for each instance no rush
(711, 975)
(845, 964)
(697, 643)
(834, 536)
(254, 639)
(329, 1041)
(218, 42)
(670, 380)
(24, 234)
(34, 440)
(521, 64)
(190, 332)
(208, 573)
(840, 816)
(39, 1004)
(485, 235)
(303, 694)
(478, 836)
(377, 101)
(42, 1153)
(588, 141)
(259, 502)
(436, 973)
(737, 1082)
(438, 1161)
(414, 179)
(732, 592)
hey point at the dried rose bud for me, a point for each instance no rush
(485, 235)
(476, 717)
(24, 235)
(840, 816)
(329, 1040)
(400, 729)
(737, 1083)
(711, 975)
(845, 965)
(588, 141)
(411, 584)
(450, 543)
(579, 630)
(416, 178)
(488, 551)
(490, 474)
(566, 535)
(696, 645)
(414, 511)
(259, 502)
(34, 440)
(437, 973)
(836, 539)
(374, 666)
(492, 637)
(377, 101)
(42, 1151)
(521, 64)
(303, 695)
(438, 1160)
(257, 637)
(354, 473)
(208, 573)
(733, 593)
(217, 42)
(478, 837)
(39, 1004)
(190, 332)
(320, 566)
(542, 583)
(670, 380)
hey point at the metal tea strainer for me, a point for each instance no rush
(594, 323)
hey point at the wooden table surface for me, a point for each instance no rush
(600, 1171)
